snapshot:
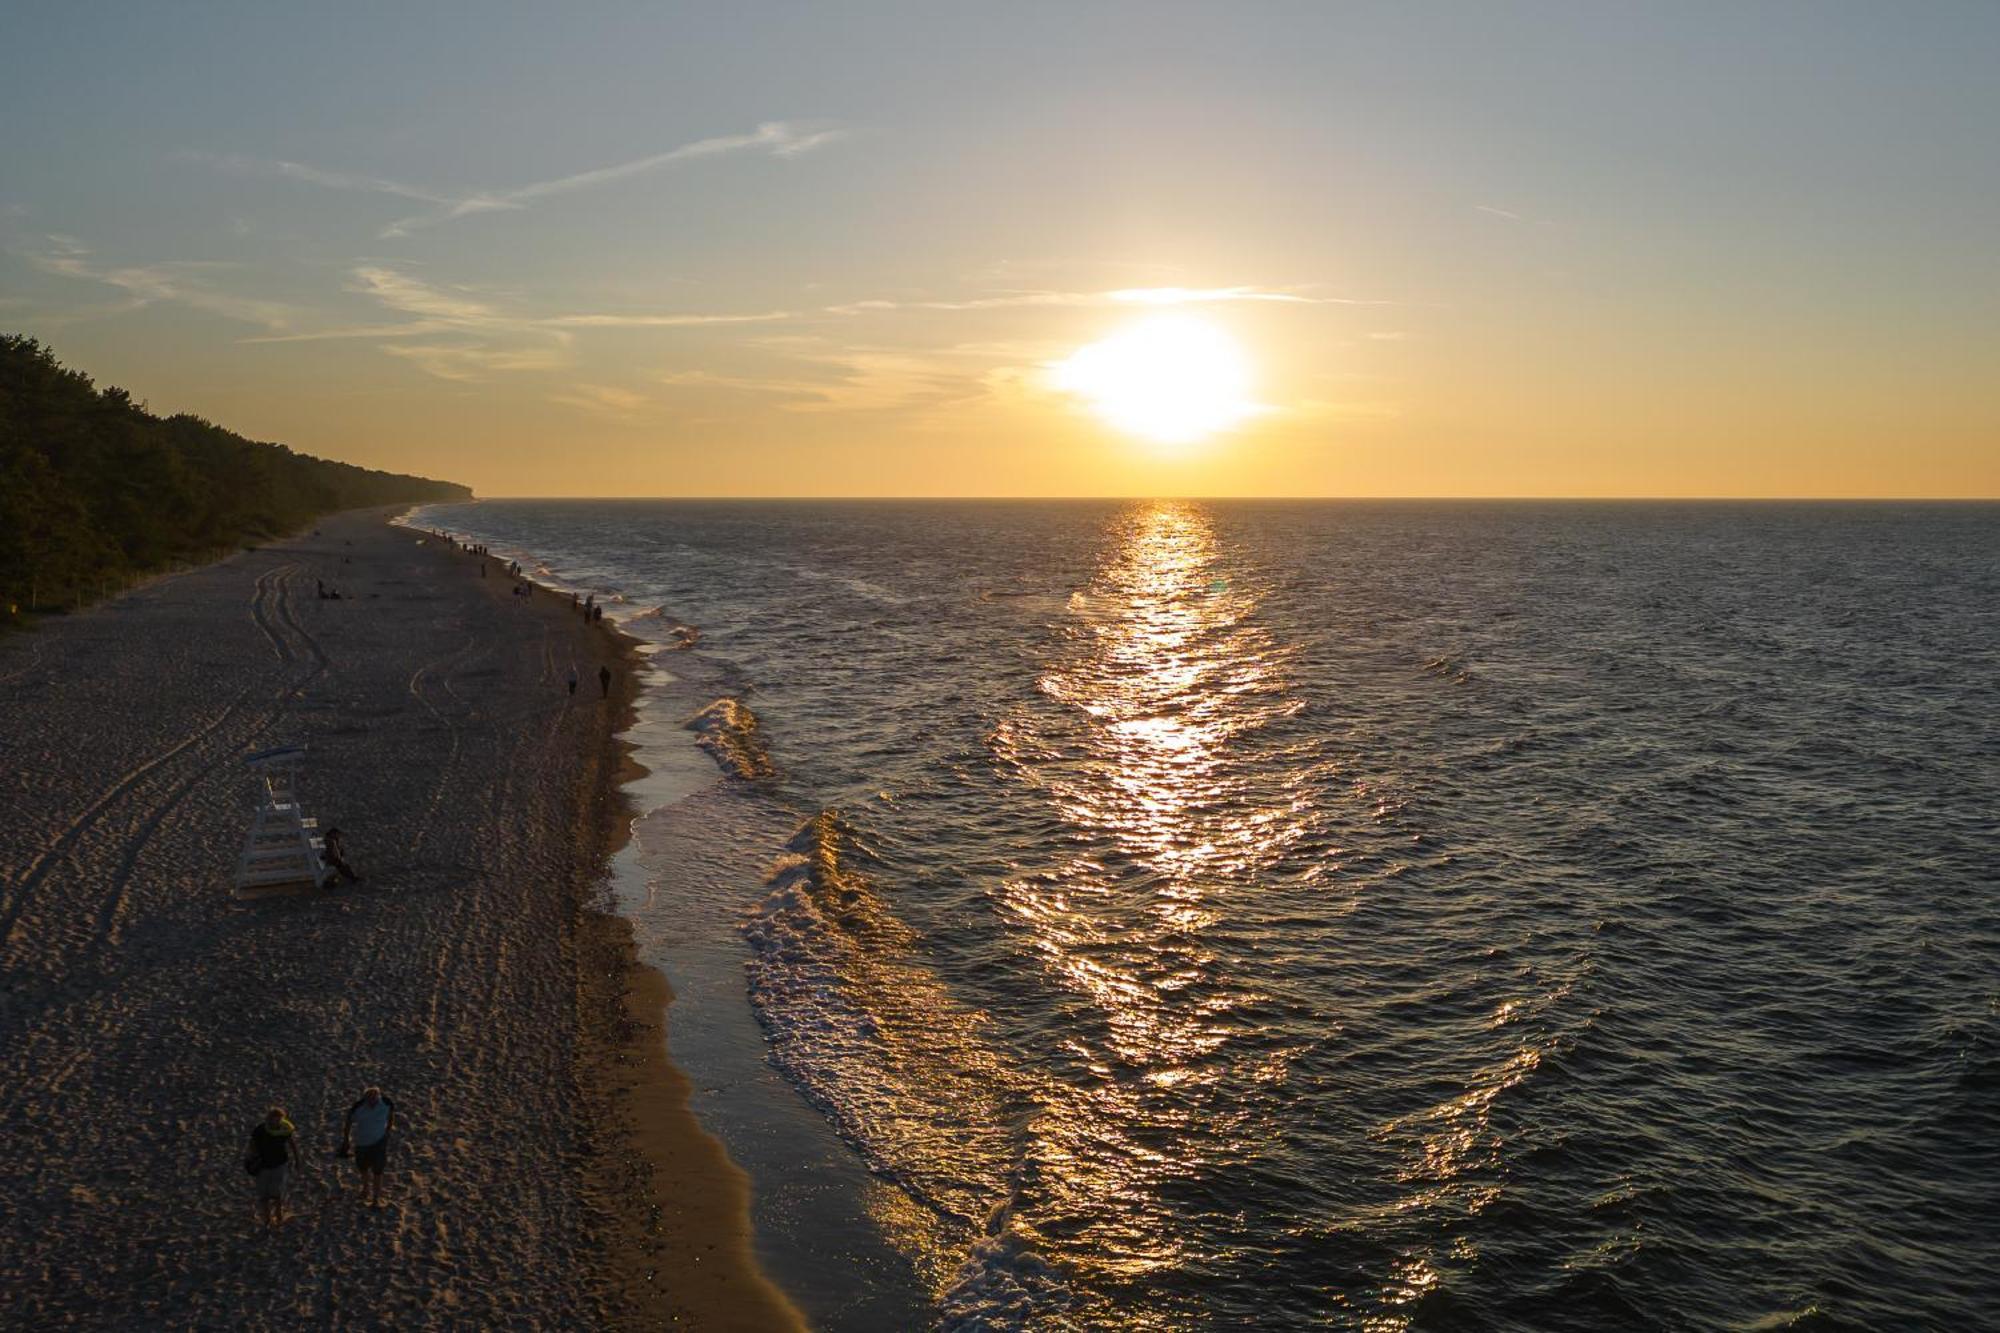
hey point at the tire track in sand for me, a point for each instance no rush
(269, 610)
(283, 623)
(441, 669)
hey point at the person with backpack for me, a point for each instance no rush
(366, 1131)
(269, 1162)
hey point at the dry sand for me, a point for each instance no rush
(546, 1172)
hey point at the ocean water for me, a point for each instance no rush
(1179, 915)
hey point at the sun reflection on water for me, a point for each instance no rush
(1161, 672)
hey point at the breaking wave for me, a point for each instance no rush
(868, 1032)
(731, 734)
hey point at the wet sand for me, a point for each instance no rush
(546, 1171)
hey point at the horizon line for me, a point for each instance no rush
(1388, 499)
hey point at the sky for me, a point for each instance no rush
(1479, 249)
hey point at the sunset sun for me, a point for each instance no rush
(1173, 379)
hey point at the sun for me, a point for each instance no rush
(1172, 379)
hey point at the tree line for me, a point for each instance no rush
(96, 491)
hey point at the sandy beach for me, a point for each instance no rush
(545, 1172)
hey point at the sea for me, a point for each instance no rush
(1171, 915)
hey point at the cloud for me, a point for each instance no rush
(604, 400)
(823, 376)
(1210, 295)
(491, 337)
(173, 282)
(487, 340)
(777, 138)
(1009, 300)
(399, 291)
(237, 164)
(468, 362)
(662, 321)
(1086, 299)
(1496, 212)
(407, 329)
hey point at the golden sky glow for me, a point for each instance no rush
(1233, 251)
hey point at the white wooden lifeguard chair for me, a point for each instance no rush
(283, 849)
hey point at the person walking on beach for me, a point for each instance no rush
(270, 1162)
(572, 682)
(604, 682)
(366, 1131)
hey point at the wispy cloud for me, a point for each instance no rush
(466, 336)
(240, 165)
(399, 291)
(1213, 296)
(777, 138)
(604, 400)
(1088, 299)
(484, 333)
(668, 321)
(174, 282)
(1497, 212)
(466, 362)
(815, 374)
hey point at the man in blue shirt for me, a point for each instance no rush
(366, 1129)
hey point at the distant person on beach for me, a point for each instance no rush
(604, 682)
(333, 851)
(572, 681)
(366, 1131)
(270, 1162)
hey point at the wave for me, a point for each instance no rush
(866, 1030)
(1448, 667)
(682, 635)
(733, 737)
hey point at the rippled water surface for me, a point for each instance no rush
(1222, 915)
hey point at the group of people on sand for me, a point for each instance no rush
(603, 682)
(274, 1150)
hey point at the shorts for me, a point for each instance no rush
(373, 1157)
(271, 1181)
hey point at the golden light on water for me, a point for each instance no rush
(1163, 670)
(1172, 379)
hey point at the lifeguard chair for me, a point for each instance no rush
(283, 849)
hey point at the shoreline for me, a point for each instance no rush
(818, 1215)
(672, 1200)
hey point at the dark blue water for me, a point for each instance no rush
(1376, 915)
